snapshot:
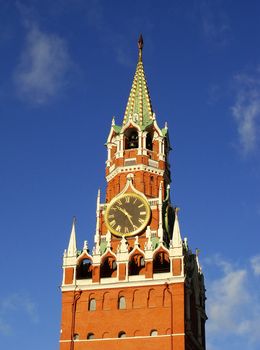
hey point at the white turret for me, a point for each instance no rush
(176, 236)
(72, 247)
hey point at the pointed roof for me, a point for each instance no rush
(72, 247)
(176, 236)
(139, 106)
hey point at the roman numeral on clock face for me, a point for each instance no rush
(127, 199)
(112, 223)
(141, 220)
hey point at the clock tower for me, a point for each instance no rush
(141, 287)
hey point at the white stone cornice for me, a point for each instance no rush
(113, 282)
(135, 168)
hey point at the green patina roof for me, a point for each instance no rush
(139, 105)
(117, 128)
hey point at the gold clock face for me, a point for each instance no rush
(127, 215)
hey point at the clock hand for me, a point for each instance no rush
(124, 211)
(130, 219)
(127, 214)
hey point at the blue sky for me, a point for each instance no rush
(66, 69)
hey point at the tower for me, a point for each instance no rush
(141, 287)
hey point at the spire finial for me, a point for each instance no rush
(140, 46)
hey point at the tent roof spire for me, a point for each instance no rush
(139, 106)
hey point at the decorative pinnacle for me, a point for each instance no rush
(140, 46)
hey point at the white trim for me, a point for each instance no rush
(125, 338)
(137, 167)
(153, 163)
(125, 284)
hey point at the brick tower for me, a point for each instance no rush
(141, 288)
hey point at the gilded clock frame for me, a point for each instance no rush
(140, 228)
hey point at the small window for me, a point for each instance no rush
(122, 303)
(76, 336)
(154, 332)
(131, 139)
(122, 334)
(149, 142)
(92, 304)
(90, 336)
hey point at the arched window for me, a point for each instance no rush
(108, 267)
(84, 269)
(121, 303)
(149, 141)
(153, 333)
(136, 264)
(161, 263)
(76, 336)
(92, 304)
(90, 336)
(121, 334)
(131, 139)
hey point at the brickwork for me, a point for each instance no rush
(144, 290)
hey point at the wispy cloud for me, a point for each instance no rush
(233, 305)
(44, 63)
(215, 22)
(246, 110)
(11, 306)
(255, 263)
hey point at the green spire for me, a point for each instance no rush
(139, 105)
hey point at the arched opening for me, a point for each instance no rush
(90, 336)
(152, 299)
(136, 265)
(131, 138)
(153, 333)
(161, 263)
(76, 336)
(108, 267)
(84, 269)
(121, 303)
(106, 301)
(121, 334)
(149, 141)
(92, 304)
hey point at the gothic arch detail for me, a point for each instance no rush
(161, 262)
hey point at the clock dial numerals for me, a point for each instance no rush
(127, 215)
(112, 223)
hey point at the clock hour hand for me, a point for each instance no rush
(127, 214)
(123, 211)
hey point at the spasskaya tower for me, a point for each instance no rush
(141, 287)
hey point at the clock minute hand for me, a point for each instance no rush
(129, 217)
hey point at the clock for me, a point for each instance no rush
(127, 215)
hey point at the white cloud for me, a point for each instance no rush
(12, 305)
(43, 66)
(215, 22)
(233, 306)
(246, 110)
(255, 263)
